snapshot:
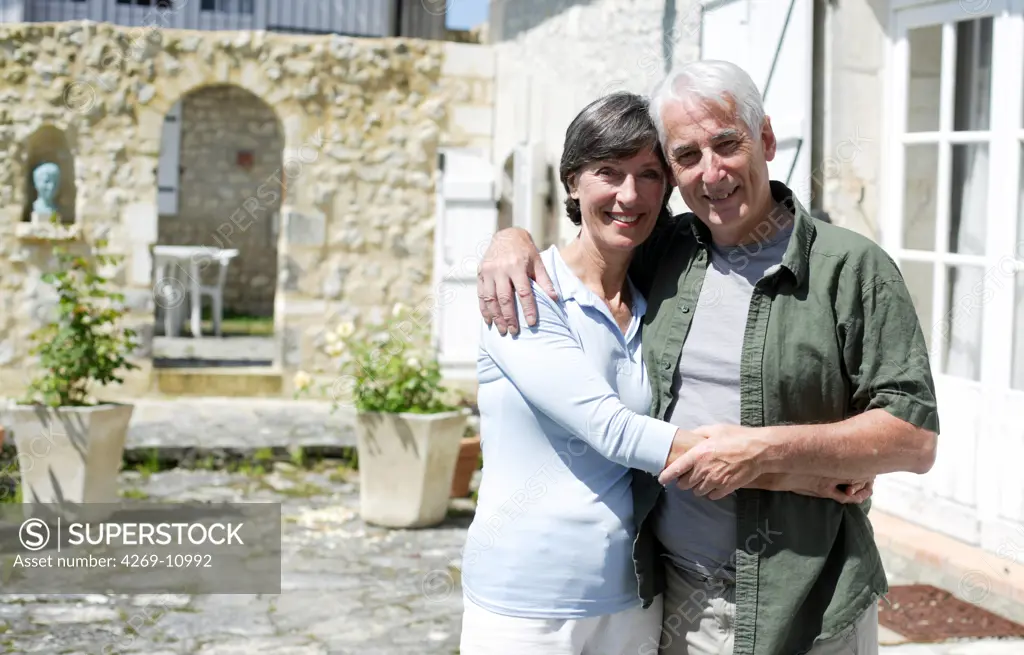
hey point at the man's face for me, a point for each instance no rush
(721, 170)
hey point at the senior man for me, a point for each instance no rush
(792, 346)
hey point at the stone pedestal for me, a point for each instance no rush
(45, 219)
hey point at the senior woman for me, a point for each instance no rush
(547, 566)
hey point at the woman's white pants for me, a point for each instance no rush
(635, 631)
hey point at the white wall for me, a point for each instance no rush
(854, 103)
(555, 56)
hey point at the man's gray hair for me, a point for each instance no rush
(711, 81)
(616, 126)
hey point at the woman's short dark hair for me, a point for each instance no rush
(615, 126)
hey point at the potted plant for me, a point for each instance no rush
(70, 444)
(408, 425)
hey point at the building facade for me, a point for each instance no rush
(395, 159)
(316, 156)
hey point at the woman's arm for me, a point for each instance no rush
(841, 491)
(550, 369)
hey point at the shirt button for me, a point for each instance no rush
(667, 365)
(686, 309)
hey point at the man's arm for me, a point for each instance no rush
(896, 423)
(867, 445)
(734, 457)
(504, 275)
(512, 260)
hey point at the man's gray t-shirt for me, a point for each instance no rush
(700, 534)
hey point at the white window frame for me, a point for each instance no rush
(1005, 122)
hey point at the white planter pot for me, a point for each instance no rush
(70, 454)
(406, 464)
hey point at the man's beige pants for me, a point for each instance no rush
(700, 619)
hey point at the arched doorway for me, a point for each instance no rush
(220, 186)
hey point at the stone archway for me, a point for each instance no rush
(228, 157)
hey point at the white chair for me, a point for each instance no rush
(170, 290)
(215, 291)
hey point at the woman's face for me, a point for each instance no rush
(620, 199)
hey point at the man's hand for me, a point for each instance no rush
(510, 262)
(727, 460)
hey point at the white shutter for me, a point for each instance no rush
(467, 217)
(529, 189)
(168, 171)
(772, 41)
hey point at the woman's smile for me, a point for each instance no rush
(624, 219)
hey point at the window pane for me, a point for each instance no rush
(925, 45)
(973, 74)
(965, 297)
(920, 277)
(919, 195)
(968, 199)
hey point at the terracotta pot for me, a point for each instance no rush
(467, 464)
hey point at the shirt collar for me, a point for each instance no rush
(796, 260)
(569, 287)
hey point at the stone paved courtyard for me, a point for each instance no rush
(347, 588)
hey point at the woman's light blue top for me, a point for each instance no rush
(562, 419)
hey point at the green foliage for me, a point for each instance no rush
(84, 345)
(386, 367)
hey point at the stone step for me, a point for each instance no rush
(239, 423)
(255, 381)
(243, 424)
(249, 349)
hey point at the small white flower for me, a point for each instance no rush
(302, 380)
(398, 309)
(412, 362)
(345, 330)
(334, 349)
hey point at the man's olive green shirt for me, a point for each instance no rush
(830, 334)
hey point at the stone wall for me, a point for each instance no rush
(217, 123)
(362, 121)
(555, 56)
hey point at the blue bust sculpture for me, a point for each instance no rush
(46, 178)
